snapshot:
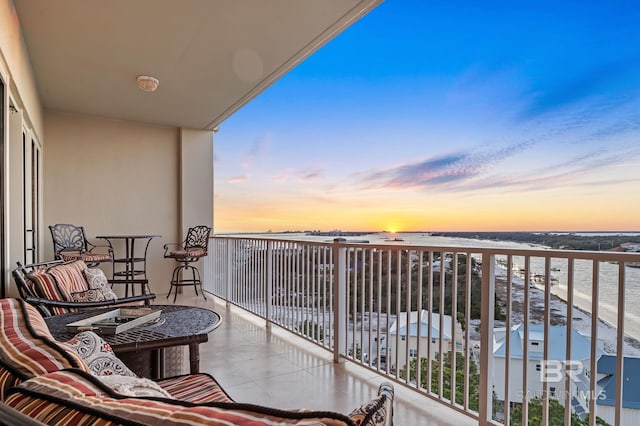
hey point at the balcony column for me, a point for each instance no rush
(339, 298)
(230, 271)
(269, 284)
(196, 183)
(487, 316)
(196, 178)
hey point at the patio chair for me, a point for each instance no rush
(58, 287)
(70, 243)
(194, 246)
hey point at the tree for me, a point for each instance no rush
(556, 415)
(474, 377)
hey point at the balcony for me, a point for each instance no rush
(273, 367)
(317, 324)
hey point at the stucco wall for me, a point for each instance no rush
(15, 58)
(113, 177)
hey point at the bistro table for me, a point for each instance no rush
(131, 268)
(177, 326)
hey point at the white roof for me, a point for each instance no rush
(426, 320)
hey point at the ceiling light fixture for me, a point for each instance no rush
(147, 83)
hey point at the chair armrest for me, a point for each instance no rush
(48, 303)
(170, 246)
(105, 247)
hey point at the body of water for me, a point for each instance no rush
(583, 285)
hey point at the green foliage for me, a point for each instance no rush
(556, 241)
(474, 377)
(401, 285)
(556, 415)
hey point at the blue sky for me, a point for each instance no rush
(462, 115)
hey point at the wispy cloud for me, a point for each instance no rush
(309, 175)
(257, 151)
(569, 172)
(477, 169)
(440, 171)
(245, 177)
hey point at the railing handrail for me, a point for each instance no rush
(604, 255)
(286, 280)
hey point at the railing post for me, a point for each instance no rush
(339, 298)
(269, 284)
(228, 289)
(487, 314)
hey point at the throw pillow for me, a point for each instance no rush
(98, 281)
(44, 285)
(98, 355)
(91, 295)
(372, 413)
(135, 386)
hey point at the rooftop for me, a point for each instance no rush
(631, 383)
(580, 346)
(425, 320)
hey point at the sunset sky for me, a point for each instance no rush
(440, 116)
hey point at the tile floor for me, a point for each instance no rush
(276, 368)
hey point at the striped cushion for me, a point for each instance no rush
(85, 257)
(26, 346)
(70, 277)
(197, 388)
(71, 388)
(191, 252)
(8, 379)
(45, 285)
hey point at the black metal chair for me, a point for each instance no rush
(194, 246)
(49, 305)
(70, 243)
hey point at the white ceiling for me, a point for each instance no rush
(211, 56)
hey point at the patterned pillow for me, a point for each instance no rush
(98, 281)
(98, 355)
(374, 412)
(134, 386)
(91, 295)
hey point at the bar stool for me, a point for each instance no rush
(194, 246)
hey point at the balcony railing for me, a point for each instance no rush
(489, 323)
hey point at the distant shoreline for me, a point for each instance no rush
(581, 319)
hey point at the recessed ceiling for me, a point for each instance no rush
(210, 56)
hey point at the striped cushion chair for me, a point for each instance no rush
(65, 282)
(27, 349)
(70, 243)
(72, 397)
